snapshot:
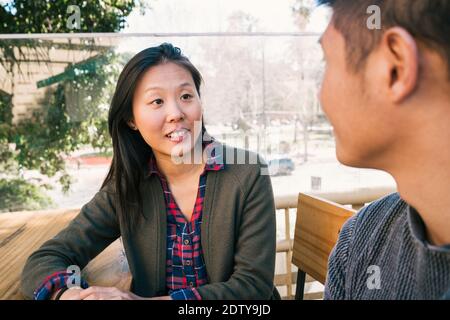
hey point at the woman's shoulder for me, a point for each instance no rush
(242, 168)
(240, 160)
(108, 187)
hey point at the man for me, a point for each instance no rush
(387, 94)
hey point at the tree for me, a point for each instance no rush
(231, 72)
(307, 66)
(41, 16)
(42, 140)
(302, 12)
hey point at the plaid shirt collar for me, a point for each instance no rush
(213, 162)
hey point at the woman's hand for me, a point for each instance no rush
(161, 298)
(100, 293)
(70, 294)
(104, 293)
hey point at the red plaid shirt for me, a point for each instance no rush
(185, 266)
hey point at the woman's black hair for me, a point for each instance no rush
(130, 151)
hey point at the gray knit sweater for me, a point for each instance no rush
(382, 253)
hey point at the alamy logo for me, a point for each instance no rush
(73, 21)
(374, 279)
(74, 279)
(374, 21)
(191, 151)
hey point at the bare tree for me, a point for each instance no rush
(307, 64)
(231, 72)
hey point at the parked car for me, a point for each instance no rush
(280, 165)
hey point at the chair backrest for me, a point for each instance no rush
(317, 228)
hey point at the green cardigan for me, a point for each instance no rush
(238, 236)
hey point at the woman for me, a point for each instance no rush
(193, 227)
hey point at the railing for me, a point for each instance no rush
(285, 204)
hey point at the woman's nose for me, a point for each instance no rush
(174, 112)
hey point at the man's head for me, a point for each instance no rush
(385, 88)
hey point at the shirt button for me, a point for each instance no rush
(186, 242)
(188, 263)
(191, 284)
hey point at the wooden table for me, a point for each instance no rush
(21, 233)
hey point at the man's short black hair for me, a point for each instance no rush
(428, 21)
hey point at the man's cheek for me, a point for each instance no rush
(324, 97)
(320, 94)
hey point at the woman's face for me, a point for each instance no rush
(166, 108)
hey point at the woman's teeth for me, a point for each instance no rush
(177, 136)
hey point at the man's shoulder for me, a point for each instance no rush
(377, 219)
(382, 210)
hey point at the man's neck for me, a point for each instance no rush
(430, 198)
(423, 180)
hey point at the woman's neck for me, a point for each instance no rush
(176, 171)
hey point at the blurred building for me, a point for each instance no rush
(41, 66)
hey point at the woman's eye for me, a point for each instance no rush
(157, 102)
(186, 96)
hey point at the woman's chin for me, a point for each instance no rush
(182, 152)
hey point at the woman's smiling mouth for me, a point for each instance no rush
(178, 135)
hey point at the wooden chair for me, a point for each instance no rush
(317, 229)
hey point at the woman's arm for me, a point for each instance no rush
(94, 228)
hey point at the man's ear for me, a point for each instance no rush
(403, 58)
(132, 125)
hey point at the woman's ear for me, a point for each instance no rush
(403, 56)
(132, 125)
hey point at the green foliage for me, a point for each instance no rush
(43, 16)
(6, 155)
(73, 112)
(5, 110)
(66, 122)
(18, 195)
